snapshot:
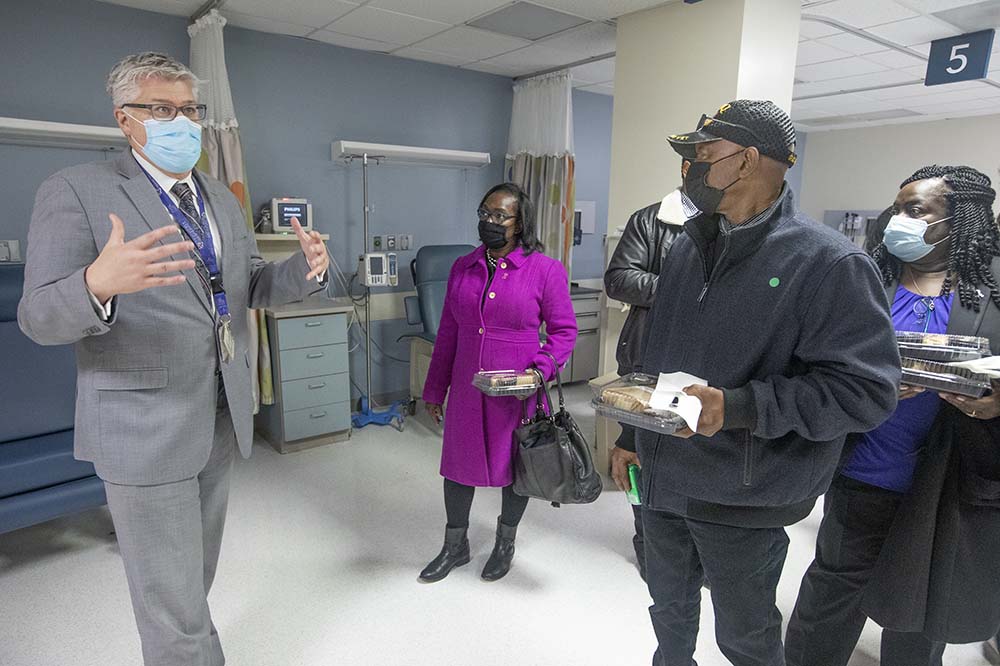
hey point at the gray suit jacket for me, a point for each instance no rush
(146, 387)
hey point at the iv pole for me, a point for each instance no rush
(366, 415)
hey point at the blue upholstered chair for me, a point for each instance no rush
(39, 478)
(430, 278)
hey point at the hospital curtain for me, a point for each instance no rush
(540, 157)
(222, 158)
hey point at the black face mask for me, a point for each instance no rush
(493, 236)
(705, 197)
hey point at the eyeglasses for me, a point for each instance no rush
(494, 216)
(709, 120)
(195, 112)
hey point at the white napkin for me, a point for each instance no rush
(989, 365)
(669, 396)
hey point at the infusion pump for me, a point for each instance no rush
(379, 269)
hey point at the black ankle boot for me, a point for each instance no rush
(454, 554)
(503, 553)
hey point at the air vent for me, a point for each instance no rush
(527, 21)
(861, 117)
(972, 18)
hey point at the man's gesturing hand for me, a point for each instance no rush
(314, 248)
(136, 265)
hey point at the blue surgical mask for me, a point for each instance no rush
(173, 145)
(904, 238)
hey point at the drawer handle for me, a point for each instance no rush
(313, 324)
(317, 415)
(583, 315)
(313, 387)
(316, 355)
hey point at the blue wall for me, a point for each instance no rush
(293, 98)
(592, 139)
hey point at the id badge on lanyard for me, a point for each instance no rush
(226, 344)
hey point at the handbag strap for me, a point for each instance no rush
(559, 388)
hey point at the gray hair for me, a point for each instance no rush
(125, 77)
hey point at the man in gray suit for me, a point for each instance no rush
(139, 261)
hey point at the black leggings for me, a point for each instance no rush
(458, 504)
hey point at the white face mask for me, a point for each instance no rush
(904, 238)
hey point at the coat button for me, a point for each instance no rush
(503, 265)
(493, 294)
(481, 331)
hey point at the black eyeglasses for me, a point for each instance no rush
(494, 216)
(707, 120)
(195, 112)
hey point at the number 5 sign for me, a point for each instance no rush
(962, 58)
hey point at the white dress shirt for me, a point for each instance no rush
(106, 310)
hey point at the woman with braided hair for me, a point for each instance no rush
(911, 525)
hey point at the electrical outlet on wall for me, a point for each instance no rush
(378, 243)
(405, 241)
(390, 242)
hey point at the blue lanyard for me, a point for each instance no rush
(204, 244)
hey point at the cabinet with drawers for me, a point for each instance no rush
(583, 366)
(311, 377)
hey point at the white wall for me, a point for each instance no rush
(861, 169)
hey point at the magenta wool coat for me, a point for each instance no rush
(498, 333)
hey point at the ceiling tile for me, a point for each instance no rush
(464, 42)
(895, 59)
(933, 96)
(491, 68)
(599, 10)
(591, 39)
(914, 31)
(923, 49)
(897, 93)
(172, 7)
(811, 53)
(265, 25)
(972, 18)
(862, 13)
(599, 89)
(934, 109)
(876, 79)
(447, 11)
(315, 13)
(930, 6)
(386, 26)
(852, 44)
(837, 69)
(429, 56)
(352, 42)
(532, 58)
(595, 72)
(815, 30)
(915, 70)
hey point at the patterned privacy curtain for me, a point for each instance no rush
(540, 157)
(222, 158)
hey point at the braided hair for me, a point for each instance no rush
(975, 237)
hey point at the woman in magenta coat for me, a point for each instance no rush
(498, 298)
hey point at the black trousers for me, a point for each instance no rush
(744, 566)
(827, 621)
(627, 441)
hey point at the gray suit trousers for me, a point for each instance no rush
(170, 536)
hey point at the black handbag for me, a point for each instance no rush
(553, 459)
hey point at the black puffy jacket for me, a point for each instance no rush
(632, 275)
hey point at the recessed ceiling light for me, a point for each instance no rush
(527, 21)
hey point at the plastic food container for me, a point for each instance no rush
(940, 377)
(626, 400)
(942, 348)
(500, 383)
